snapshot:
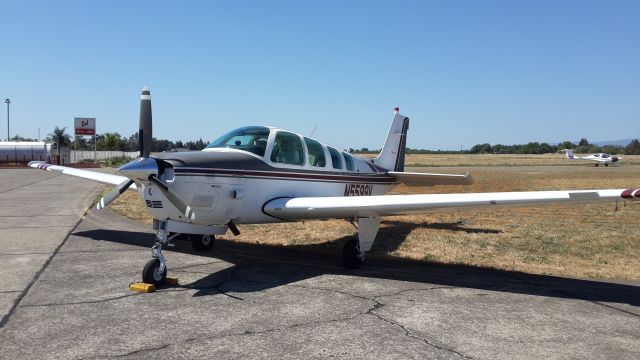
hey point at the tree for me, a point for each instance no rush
(566, 145)
(112, 141)
(481, 149)
(633, 148)
(583, 142)
(59, 137)
(20, 138)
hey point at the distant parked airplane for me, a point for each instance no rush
(599, 158)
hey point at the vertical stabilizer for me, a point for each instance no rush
(392, 155)
(569, 153)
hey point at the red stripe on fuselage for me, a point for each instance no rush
(628, 194)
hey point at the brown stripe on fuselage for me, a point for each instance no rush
(380, 178)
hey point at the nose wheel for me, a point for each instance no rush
(152, 274)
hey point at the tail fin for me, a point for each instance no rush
(392, 155)
(569, 153)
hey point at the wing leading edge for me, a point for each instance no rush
(386, 205)
(108, 179)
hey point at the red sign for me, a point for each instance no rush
(85, 126)
(85, 131)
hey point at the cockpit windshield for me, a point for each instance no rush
(249, 138)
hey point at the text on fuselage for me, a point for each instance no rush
(358, 189)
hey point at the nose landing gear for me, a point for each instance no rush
(155, 271)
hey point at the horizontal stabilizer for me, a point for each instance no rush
(430, 179)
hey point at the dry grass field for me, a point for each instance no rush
(585, 240)
(426, 160)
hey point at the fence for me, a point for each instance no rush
(79, 155)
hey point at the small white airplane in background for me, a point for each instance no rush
(599, 158)
(260, 174)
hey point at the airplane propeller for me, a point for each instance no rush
(146, 167)
(113, 194)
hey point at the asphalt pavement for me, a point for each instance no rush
(65, 271)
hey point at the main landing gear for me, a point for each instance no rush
(353, 252)
(352, 257)
(199, 242)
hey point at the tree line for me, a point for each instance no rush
(633, 148)
(113, 141)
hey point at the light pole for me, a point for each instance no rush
(7, 101)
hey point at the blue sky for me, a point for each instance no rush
(465, 72)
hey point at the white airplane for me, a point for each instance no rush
(599, 158)
(260, 174)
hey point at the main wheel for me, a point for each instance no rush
(351, 258)
(151, 273)
(597, 165)
(606, 164)
(202, 243)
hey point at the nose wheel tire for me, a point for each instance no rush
(352, 258)
(151, 273)
(202, 242)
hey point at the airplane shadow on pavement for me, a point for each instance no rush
(259, 266)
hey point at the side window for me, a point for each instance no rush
(336, 162)
(348, 161)
(316, 153)
(287, 149)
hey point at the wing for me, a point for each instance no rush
(108, 179)
(384, 205)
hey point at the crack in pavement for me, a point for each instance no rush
(369, 311)
(378, 305)
(37, 227)
(36, 276)
(194, 265)
(98, 251)
(31, 183)
(96, 301)
(139, 351)
(31, 253)
(245, 333)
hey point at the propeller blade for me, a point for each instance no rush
(145, 133)
(174, 198)
(113, 194)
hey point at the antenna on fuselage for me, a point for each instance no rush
(314, 130)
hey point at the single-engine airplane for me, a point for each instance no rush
(260, 174)
(599, 158)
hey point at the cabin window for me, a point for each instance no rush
(348, 161)
(316, 153)
(336, 162)
(287, 149)
(249, 138)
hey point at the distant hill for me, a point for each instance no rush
(623, 142)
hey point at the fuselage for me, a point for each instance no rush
(238, 173)
(602, 157)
